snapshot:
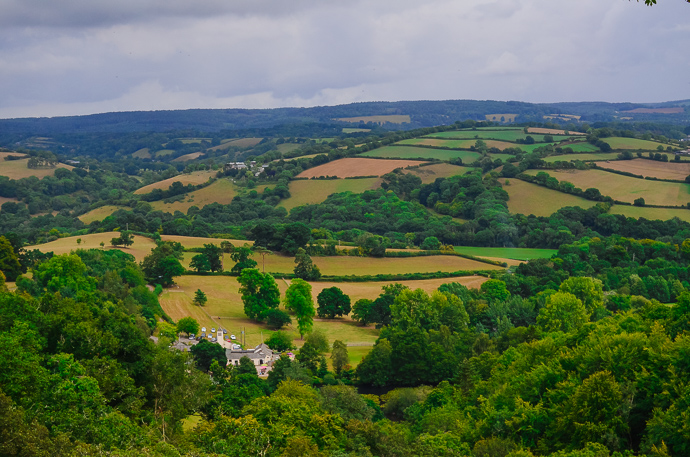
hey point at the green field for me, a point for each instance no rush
(503, 135)
(141, 248)
(507, 253)
(411, 152)
(527, 198)
(585, 156)
(99, 213)
(580, 146)
(633, 143)
(625, 188)
(287, 147)
(305, 192)
(438, 170)
(662, 214)
(221, 191)
(353, 130)
(142, 153)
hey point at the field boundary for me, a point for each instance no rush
(366, 278)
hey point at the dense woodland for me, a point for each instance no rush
(580, 355)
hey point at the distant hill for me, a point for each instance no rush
(421, 114)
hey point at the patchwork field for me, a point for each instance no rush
(392, 118)
(429, 173)
(633, 143)
(527, 198)
(654, 168)
(316, 190)
(457, 144)
(99, 213)
(411, 152)
(507, 253)
(580, 146)
(18, 169)
(602, 156)
(225, 309)
(662, 214)
(503, 135)
(186, 157)
(552, 131)
(194, 178)
(356, 166)
(221, 191)
(624, 188)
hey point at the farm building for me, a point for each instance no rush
(260, 355)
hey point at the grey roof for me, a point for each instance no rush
(260, 352)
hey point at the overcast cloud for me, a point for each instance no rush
(83, 56)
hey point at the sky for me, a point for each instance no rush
(73, 57)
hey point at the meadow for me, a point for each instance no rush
(306, 192)
(507, 253)
(190, 156)
(503, 135)
(142, 153)
(194, 178)
(18, 169)
(457, 144)
(357, 166)
(624, 188)
(654, 168)
(429, 173)
(527, 198)
(99, 213)
(602, 156)
(543, 131)
(662, 214)
(221, 191)
(411, 152)
(632, 143)
(580, 146)
(141, 248)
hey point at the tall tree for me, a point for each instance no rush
(242, 258)
(339, 356)
(298, 299)
(333, 302)
(9, 262)
(305, 268)
(206, 352)
(260, 293)
(188, 325)
(163, 263)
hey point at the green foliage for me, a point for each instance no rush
(332, 302)
(277, 318)
(9, 262)
(205, 353)
(188, 325)
(298, 299)
(163, 264)
(280, 342)
(200, 298)
(305, 268)
(339, 356)
(563, 312)
(242, 258)
(260, 293)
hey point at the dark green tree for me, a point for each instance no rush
(260, 293)
(188, 325)
(339, 356)
(332, 302)
(163, 264)
(206, 352)
(277, 318)
(242, 258)
(200, 298)
(280, 342)
(305, 268)
(9, 262)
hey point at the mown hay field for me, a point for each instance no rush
(287, 147)
(653, 168)
(18, 169)
(624, 188)
(411, 152)
(141, 248)
(190, 156)
(392, 118)
(99, 213)
(195, 178)
(306, 192)
(507, 253)
(602, 156)
(543, 131)
(142, 153)
(662, 214)
(632, 143)
(357, 166)
(527, 198)
(221, 191)
(225, 309)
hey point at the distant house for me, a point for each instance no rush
(260, 355)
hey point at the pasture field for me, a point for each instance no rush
(411, 152)
(527, 198)
(501, 117)
(581, 146)
(308, 156)
(164, 152)
(429, 173)
(8, 199)
(502, 135)
(357, 166)
(225, 309)
(141, 248)
(351, 130)
(18, 169)
(236, 142)
(662, 214)
(507, 253)
(457, 144)
(142, 153)
(316, 190)
(654, 168)
(543, 131)
(602, 156)
(392, 118)
(194, 178)
(199, 241)
(632, 143)
(287, 147)
(193, 140)
(190, 156)
(99, 213)
(221, 191)
(625, 188)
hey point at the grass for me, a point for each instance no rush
(624, 188)
(392, 118)
(503, 135)
(141, 248)
(198, 241)
(164, 152)
(142, 153)
(287, 147)
(552, 131)
(99, 213)
(632, 143)
(226, 310)
(350, 130)
(18, 169)
(662, 214)
(221, 191)
(411, 152)
(438, 170)
(195, 178)
(654, 168)
(190, 156)
(582, 146)
(527, 198)
(507, 253)
(357, 166)
(317, 190)
(585, 156)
